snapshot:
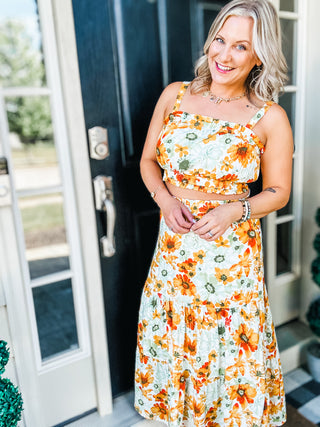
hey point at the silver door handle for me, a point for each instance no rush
(107, 242)
(104, 202)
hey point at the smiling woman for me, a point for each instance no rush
(209, 323)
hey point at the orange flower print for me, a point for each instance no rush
(183, 151)
(184, 285)
(162, 396)
(226, 164)
(199, 256)
(197, 384)
(190, 346)
(158, 285)
(237, 368)
(170, 243)
(213, 355)
(190, 318)
(245, 262)
(243, 394)
(188, 267)
(222, 242)
(198, 407)
(145, 379)
(143, 358)
(179, 379)
(161, 341)
(160, 410)
(173, 318)
(209, 138)
(211, 414)
(247, 339)
(162, 155)
(247, 234)
(223, 275)
(242, 152)
(235, 417)
(205, 371)
(170, 258)
(196, 123)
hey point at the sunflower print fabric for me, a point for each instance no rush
(206, 154)
(207, 354)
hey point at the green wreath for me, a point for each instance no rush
(10, 398)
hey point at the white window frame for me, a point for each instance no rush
(54, 92)
(286, 284)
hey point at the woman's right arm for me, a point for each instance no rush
(176, 215)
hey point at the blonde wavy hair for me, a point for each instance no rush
(267, 80)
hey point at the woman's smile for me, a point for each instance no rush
(222, 68)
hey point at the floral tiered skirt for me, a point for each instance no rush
(207, 354)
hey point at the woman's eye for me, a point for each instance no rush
(219, 40)
(241, 47)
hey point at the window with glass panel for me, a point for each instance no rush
(285, 216)
(37, 177)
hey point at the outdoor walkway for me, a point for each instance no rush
(302, 393)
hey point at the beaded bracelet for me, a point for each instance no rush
(246, 211)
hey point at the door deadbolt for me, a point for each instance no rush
(98, 141)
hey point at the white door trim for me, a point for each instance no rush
(70, 79)
(13, 286)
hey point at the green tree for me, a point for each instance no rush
(21, 64)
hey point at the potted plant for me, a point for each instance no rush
(10, 398)
(313, 314)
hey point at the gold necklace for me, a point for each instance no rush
(217, 99)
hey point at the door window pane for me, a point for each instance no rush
(21, 56)
(47, 250)
(56, 321)
(287, 210)
(288, 28)
(284, 247)
(288, 103)
(31, 136)
(288, 5)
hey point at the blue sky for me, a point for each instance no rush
(17, 8)
(23, 11)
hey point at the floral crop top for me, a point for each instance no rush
(206, 154)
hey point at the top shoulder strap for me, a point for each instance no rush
(181, 92)
(259, 114)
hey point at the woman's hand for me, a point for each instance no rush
(176, 215)
(214, 223)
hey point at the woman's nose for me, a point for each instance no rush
(225, 54)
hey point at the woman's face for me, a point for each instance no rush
(231, 56)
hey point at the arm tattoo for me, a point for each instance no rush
(272, 190)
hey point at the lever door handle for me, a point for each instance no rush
(104, 202)
(107, 242)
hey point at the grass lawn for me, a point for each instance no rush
(43, 153)
(42, 217)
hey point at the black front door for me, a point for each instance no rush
(128, 51)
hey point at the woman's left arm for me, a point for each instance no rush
(276, 169)
(276, 165)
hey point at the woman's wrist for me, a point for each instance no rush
(238, 211)
(161, 196)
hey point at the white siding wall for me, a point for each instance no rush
(311, 186)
